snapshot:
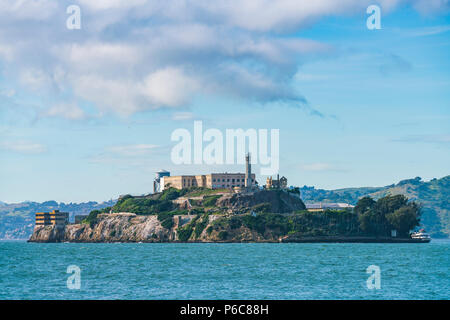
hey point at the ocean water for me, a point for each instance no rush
(224, 271)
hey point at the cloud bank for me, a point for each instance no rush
(137, 55)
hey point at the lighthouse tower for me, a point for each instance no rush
(248, 171)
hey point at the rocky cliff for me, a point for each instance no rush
(174, 216)
(129, 227)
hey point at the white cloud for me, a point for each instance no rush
(24, 147)
(69, 111)
(169, 87)
(98, 56)
(428, 31)
(28, 9)
(6, 52)
(182, 116)
(35, 79)
(8, 92)
(132, 150)
(111, 4)
(431, 6)
(136, 55)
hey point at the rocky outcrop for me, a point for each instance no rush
(115, 227)
(277, 201)
(222, 224)
(129, 227)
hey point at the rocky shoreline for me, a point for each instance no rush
(129, 227)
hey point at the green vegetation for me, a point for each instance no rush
(370, 218)
(210, 201)
(91, 219)
(162, 202)
(295, 190)
(432, 196)
(223, 235)
(166, 219)
(201, 225)
(143, 206)
(262, 207)
(390, 212)
(199, 191)
(195, 226)
(172, 194)
(185, 232)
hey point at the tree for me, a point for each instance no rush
(369, 222)
(390, 203)
(364, 204)
(404, 219)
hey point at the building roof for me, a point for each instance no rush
(339, 205)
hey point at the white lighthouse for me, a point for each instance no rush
(248, 171)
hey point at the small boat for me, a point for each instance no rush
(421, 235)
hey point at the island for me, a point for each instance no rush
(199, 214)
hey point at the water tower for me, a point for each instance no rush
(158, 179)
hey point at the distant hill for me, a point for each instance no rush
(17, 219)
(433, 195)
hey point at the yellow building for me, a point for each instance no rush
(279, 183)
(54, 218)
(211, 181)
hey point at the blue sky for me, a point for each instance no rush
(87, 114)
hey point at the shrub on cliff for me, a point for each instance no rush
(201, 225)
(262, 207)
(210, 201)
(223, 235)
(184, 233)
(91, 219)
(143, 206)
(166, 219)
(170, 194)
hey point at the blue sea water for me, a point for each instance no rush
(224, 271)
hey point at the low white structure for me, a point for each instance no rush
(324, 206)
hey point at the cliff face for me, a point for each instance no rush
(129, 227)
(116, 227)
(203, 226)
